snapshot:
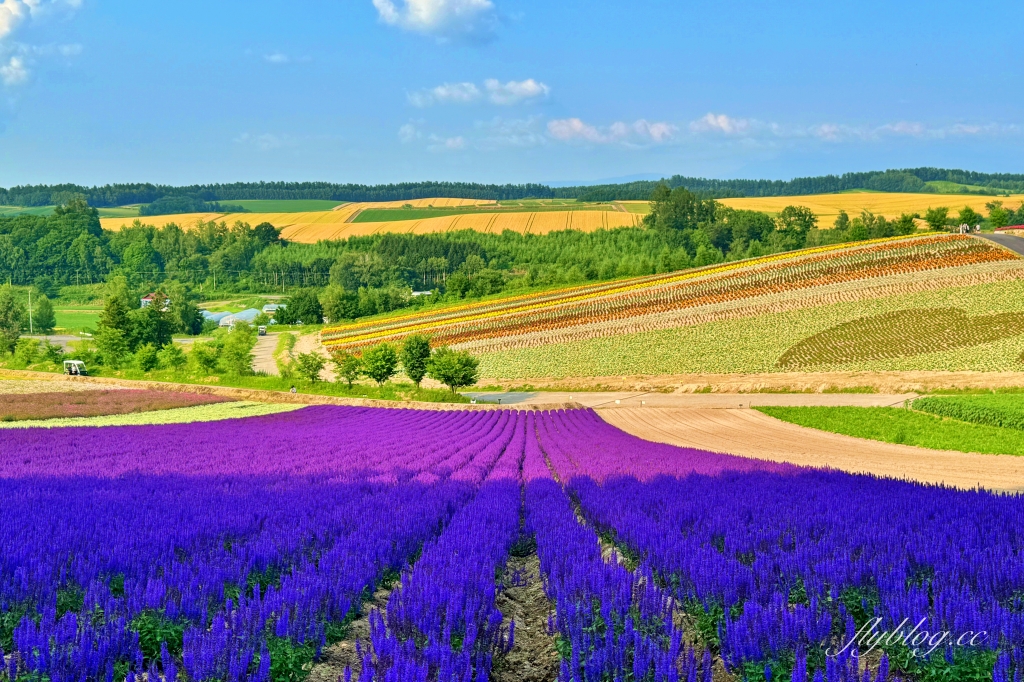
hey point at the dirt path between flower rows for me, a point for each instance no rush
(749, 433)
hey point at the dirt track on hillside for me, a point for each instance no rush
(751, 434)
(769, 382)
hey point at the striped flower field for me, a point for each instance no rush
(629, 306)
(248, 549)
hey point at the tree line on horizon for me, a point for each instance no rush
(192, 196)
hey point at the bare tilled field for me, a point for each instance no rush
(751, 434)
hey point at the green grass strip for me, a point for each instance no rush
(904, 427)
(183, 415)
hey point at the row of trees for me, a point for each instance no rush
(902, 180)
(454, 369)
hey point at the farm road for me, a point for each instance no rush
(622, 400)
(749, 433)
(263, 354)
(1012, 242)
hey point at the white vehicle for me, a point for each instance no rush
(75, 368)
(261, 330)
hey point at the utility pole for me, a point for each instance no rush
(30, 329)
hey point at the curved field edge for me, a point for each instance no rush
(904, 427)
(755, 344)
(183, 415)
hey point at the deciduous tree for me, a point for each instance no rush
(380, 362)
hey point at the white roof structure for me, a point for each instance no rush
(245, 316)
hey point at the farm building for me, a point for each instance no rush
(213, 317)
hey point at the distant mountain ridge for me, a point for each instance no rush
(904, 180)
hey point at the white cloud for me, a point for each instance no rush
(720, 123)
(14, 71)
(514, 92)
(443, 19)
(449, 93)
(641, 132)
(568, 129)
(503, 94)
(658, 131)
(69, 50)
(14, 12)
(276, 58)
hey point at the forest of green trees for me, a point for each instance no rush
(369, 275)
(905, 180)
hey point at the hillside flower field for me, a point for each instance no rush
(938, 302)
(245, 549)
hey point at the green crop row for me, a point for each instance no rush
(1005, 411)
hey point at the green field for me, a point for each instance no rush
(380, 215)
(7, 211)
(904, 427)
(78, 319)
(1002, 410)
(283, 205)
(119, 212)
(946, 187)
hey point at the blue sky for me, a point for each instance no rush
(371, 91)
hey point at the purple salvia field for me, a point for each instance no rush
(242, 549)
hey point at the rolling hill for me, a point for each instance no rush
(932, 302)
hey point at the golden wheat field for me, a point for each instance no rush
(326, 225)
(827, 206)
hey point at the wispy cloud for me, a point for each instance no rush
(514, 92)
(449, 93)
(276, 58)
(493, 91)
(639, 132)
(446, 144)
(502, 133)
(14, 71)
(754, 130)
(721, 123)
(14, 68)
(264, 142)
(446, 20)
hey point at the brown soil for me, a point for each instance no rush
(781, 382)
(335, 658)
(10, 385)
(751, 434)
(533, 657)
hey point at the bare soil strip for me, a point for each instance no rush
(533, 657)
(748, 433)
(344, 654)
